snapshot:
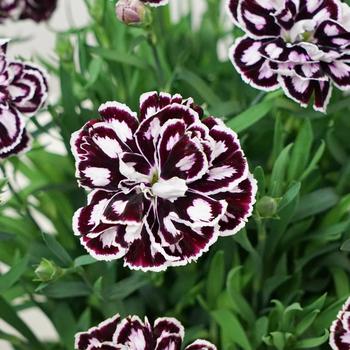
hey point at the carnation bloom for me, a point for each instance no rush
(164, 185)
(23, 91)
(134, 334)
(37, 10)
(340, 330)
(301, 46)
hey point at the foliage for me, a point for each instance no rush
(277, 284)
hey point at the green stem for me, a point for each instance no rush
(151, 39)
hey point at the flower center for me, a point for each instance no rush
(302, 31)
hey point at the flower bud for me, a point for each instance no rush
(267, 207)
(48, 271)
(131, 12)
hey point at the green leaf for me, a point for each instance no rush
(312, 342)
(314, 161)
(306, 322)
(216, 278)
(301, 151)
(250, 116)
(65, 324)
(84, 260)
(71, 289)
(233, 329)
(9, 315)
(290, 195)
(57, 249)
(12, 276)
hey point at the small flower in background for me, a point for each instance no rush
(36, 10)
(155, 3)
(301, 46)
(130, 11)
(23, 91)
(164, 186)
(340, 330)
(133, 333)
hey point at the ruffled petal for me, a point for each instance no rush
(38, 10)
(103, 332)
(339, 338)
(339, 72)
(254, 68)
(11, 130)
(201, 344)
(28, 87)
(240, 201)
(23, 146)
(319, 10)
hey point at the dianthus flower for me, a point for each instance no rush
(23, 91)
(340, 331)
(36, 10)
(301, 46)
(165, 185)
(134, 334)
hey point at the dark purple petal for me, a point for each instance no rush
(105, 346)
(194, 243)
(330, 33)
(155, 3)
(169, 342)
(134, 333)
(311, 71)
(103, 333)
(228, 164)
(257, 18)
(149, 130)
(240, 202)
(28, 87)
(168, 325)
(286, 16)
(201, 344)
(23, 146)
(233, 10)
(319, 10)
(38, 10)
(186, 160)
(339, 338)
(11, 129)
(301, 91)
(253, 67)
(339, 72)
(135, 167)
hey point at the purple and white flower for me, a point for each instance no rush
(23, 91)
(134, 334)
(164, 185)
(155, 3)
(36, 10)
(340, 330)
(301, 46)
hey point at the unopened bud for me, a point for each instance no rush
(131, 12)
(267, 207)
(48, 271)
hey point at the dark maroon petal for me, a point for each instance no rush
(228, 164)
(193, 244)
(155, 3)
(323, 93)
(149, 130)
(253, 67)
(152, 102)
(168, 325)
(339, 72)
(240, 202)
(122, 120)
(28, 87)
(134, 333)
(105, 346)
(339, 338)
(143, 254)
(135, 167)
(233, 10)
(103, 333)
(11, 129)
(257, 17)
(197, 210)
(286, 16)
(22, 147)
(186, 160)
(38, 10)
(299, 90)
(201, 344)
(169, 342)
(126, 209)
(330, 33)
(319, 10)
(312, 71)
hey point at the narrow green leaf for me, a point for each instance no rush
(57, 249)
(12, 276)
(314, 161)
(215, 280)
(312, 342)
(250, 116)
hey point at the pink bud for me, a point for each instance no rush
(130, 11)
